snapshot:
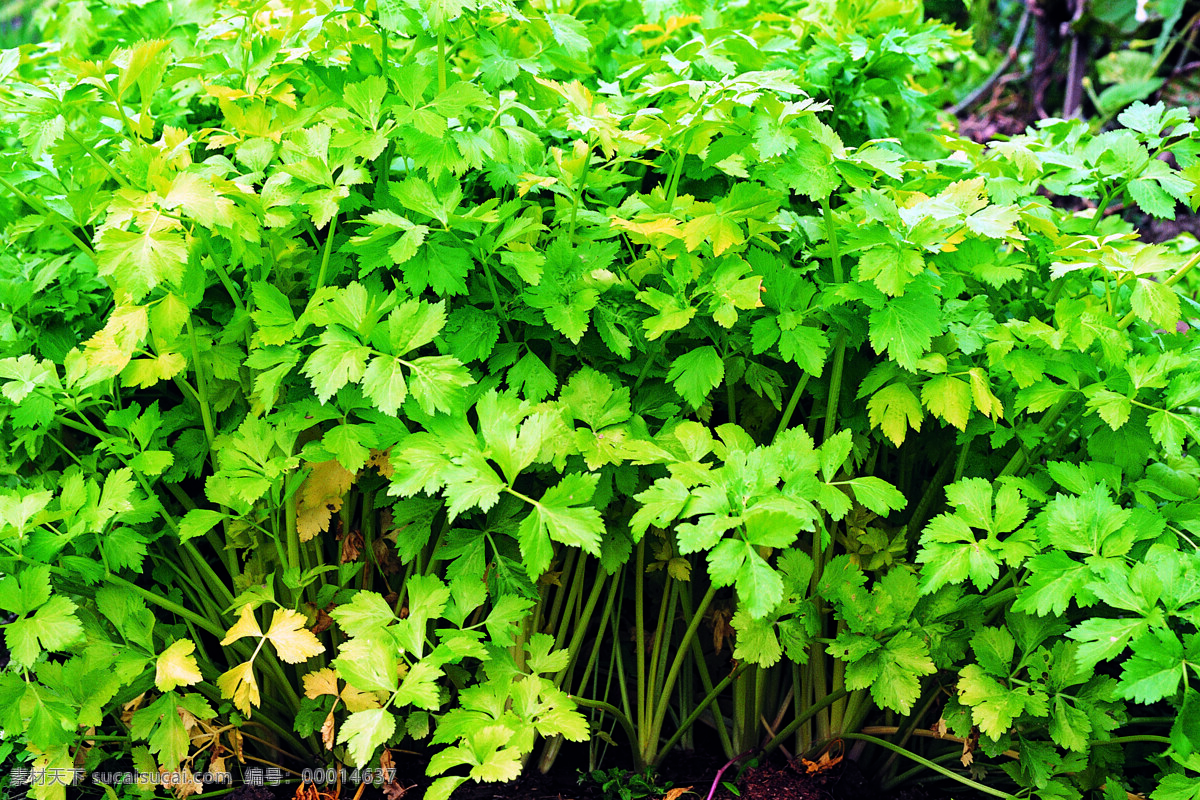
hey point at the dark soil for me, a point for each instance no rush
(695, 772)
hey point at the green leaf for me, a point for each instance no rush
(1156, 303)
(895, 669)
(737, 562)
(443, 787)
(383, 384)
(1055, 579)
(1104, 639)
(877, 495)
(806, 347)
(756, 640)
(660, 505)
(994, 649)
(419, 687)
(340, 359)
(25, 591)
(365, 732)
(53, 627)
(905, 327)
(138, 262)
(436, 382)
(368, 663)
(501, 621)
(1185, 732)
(696, 373)
(567, 523)
(1177, 786)
(890, 267)
(414, 324)
(365, 614)
(994, 707)
(542, 655)
(1155, 668)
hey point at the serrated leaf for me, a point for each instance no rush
(293, 642)
(696, 373)
(176, 666)
(1156, 303)
(894, 409)
(365, 732)
(905, 327)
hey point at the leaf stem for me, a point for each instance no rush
(673, 675)
(620, 717)
(327, 251)
(979, 787)
(1175, 278)
(790, 408)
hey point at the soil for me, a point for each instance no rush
(692, 772)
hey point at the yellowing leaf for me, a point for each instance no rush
(323, 681)
(894, 408)
(245, 626)
(358, 701)
(239, 685)
(142, 373)
(321, 497)
(529, 182)
(110, 348)
(949, 399)
(985, 401)
(293, 642)
(177, 666)
(719, 229)
(137, 262)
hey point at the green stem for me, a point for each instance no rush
(1131, 740)
(709, 699)
(639, 622)
(441, 62)
(649, 361)
(790, 409)
(328, 250)
(1052, 414)
(620, 717)
(677, 664)
(201, 386)
(979, 787)
(1175, 278)
(102, 161)
(577, 201)
(491, 281)
(53, 217)
(800, 719)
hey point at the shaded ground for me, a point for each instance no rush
(691, 776)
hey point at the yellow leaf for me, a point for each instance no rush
(293, 642)
(177, 666)
(109, 350)
(985, 401)
(530, 182)
(245, 626)
(239, 685)
(717, 228)
(323, 681)
(321, 497)
(358, 701)
(895, 409)
(142, 373)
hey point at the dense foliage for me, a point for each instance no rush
(467, 377)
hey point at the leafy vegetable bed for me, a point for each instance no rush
(450, 381)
